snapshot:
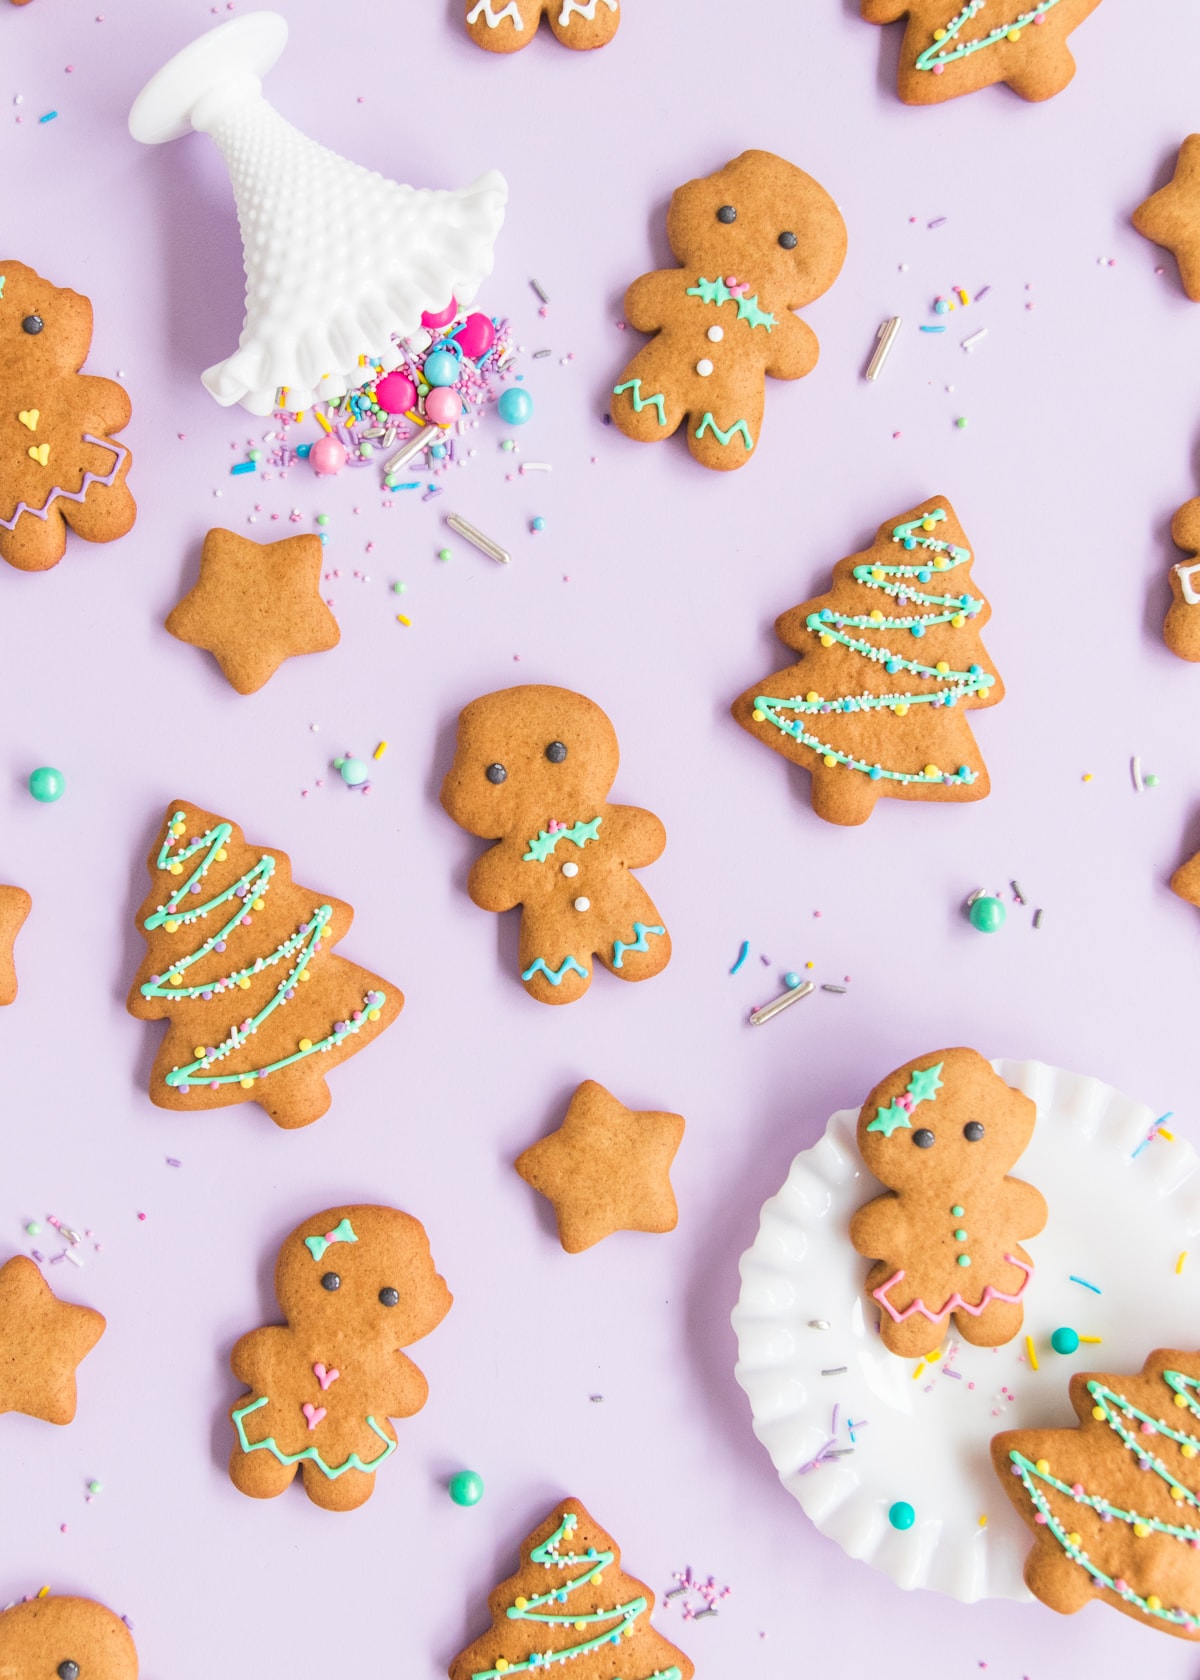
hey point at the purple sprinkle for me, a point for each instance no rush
(195, 887)
(155, 979)
(220, 945)
(206, 997)
(172, 1162)
(938, 221)
(957, 1375)
(290, 993)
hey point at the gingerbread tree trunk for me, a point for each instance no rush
(571, 1603)
(241, 963)
(891, 661)
(1114, 1505)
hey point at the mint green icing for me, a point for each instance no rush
(708, 424)
(639, 942)
(922, 1087)
(344, 1232)
(555, 976)
(716, 291)
(578, 834)
(640, 402)
(945, 52)
(333, 1471)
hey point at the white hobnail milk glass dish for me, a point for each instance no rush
(1117, 1219)
(339, 261)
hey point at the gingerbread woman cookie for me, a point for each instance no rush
(54, 1638)
(505, 26)
(755, 241)
(15, 905)
(1181, 629)
(958, 46)
(60, 465)
(946, 1237)
(1114, 1504)
(356, 1285)
(532, 770)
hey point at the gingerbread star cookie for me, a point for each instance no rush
(15, 904)
(1171, 216)
(42, 1340)
(1185, 883)
(607, 1168)
(255, 605)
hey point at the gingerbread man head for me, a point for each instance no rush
(760, 221)
(528, 757)
(362, 1277)
(922, 1135)
(65, 1639)
(45, 330)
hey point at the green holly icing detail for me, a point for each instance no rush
(716, 291)
(710, 291)
(926, 1083)
(748, 310)
(922, 1087)
(888, 1119)
(579, 835)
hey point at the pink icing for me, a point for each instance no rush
(955, 1302)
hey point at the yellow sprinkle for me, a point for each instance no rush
(940, 563)
(1032, 1352)
(402, 618)
(933, 1357)
(178, 829)
(983, 1520)
(1179, 1265)
(830, 761)
(372, 1014)
(1099, 1413)
(305, 975)
(1181, 1399)
(877, 573)
(43, 1591)
(1176, 1492)
(327, 931)
(380, 750)
(321, 420)
(918, 1370)
(244, 982)
(306, 1044)
(826, 641)
(598, 1578)
(501, 1665)
(812, 696)
(1153, 1602)
(258, 904)
(901, 709)
(1088, 777)
(939, 34)
(958, 621)
(175, 979)
(1188, 1450)
(198, 1051)
(1074, 1539)
(808, 965)
(521, 1604)
(579, 1626)
(245, 1082)
(942, 667)
(876, 615)
(221, 855)
(932, 771)
(1141, 1529)
(1013, 35)
(175, 868)
(1163, 1132)
(759, 717)
(1094, 1339)
(298, 416)
(1042, 1466)
(964, 296)
(172, 925)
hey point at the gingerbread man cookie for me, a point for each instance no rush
(942, 1132)
(54, 1638)
(1181, 630)
(60, 465)
(958, 46)
(755, 241)
(42, 1340)
(356, 1285)
(1114, 1504)
(532, 770)
(505, 26)
(1171, 216)
(15, 905)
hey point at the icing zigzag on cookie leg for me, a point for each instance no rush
(556, 976)
(89, 478)
(708, 424)
(640, 402)
(639, 943)
(493, 19)
(309, 1455)
(584, 9)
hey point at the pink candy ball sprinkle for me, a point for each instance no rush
(327, 456)
(443, 406)
(396, 393)
(476, 336)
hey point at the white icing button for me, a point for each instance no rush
(583, 904)
(570, 870)
(704, 368)
(716, 334)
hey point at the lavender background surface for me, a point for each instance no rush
(653, 590)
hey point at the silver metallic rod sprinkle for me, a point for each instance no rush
(1037, 918)
(675, 1592)
(539, 291)
(818, 1324)
(839, 1452)
(700, 1614)
(835, 1370)
(974, 338)
(887, 337)
(769, 1010)
(71, 1236)
(828, 988)
(1135, 770)
(1017, 893)
(485, 545)
(538, 354)
(536, 466)
(421, 440)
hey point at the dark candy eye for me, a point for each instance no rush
(556, 752)
(66, 1670)
(496, 773)
(923, 1138)
(389, 1297)
(331, 1281)
(788, 241)
(727, 213)
(33, 324)
(972, 1131)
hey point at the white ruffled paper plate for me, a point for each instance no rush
(1118, 1220)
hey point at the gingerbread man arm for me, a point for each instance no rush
(650, 298)
(492, 882)
(879, 1229)
(1185, 527)
(885, 11)
(639, 835)
(408, 1389)
(105, 402)
(1024, 1207)
(251, 1360)
(794, 348)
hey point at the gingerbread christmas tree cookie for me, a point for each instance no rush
(15, 905)
(42, 1340)
(957, 46)
(891, 661)
(942, 1133)
(1114, 1504)
(607, 1168)
(241, 963)
(505, 26)
(60, 464)
(571, 1605)
(1171, 216)
(255, 605)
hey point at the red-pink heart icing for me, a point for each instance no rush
(323, 1375)
(314, 1414)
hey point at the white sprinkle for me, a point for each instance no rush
(974, 338)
